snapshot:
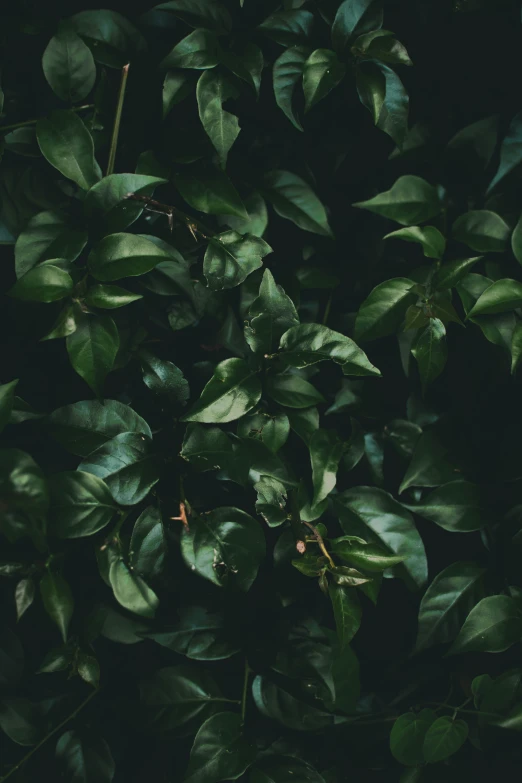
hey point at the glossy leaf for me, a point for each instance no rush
(510, 151)
(231, 257)
(432, 241)
(430, 350)
(200, 635)
(108, 204)
(199, 50)
(287, 72)
(92, 349)
(444, 737)
(307, 344)
(85, 757)
(457, 507)
(220, 751)
(369, 556)
(326, 450)
(382, 312)
(46, 283)
(348, 16)
(130, 590)
(57, 600)
(482, 230)
(448, 275)
(382, 92)
(221, 126)
(408, 734)
(499, 297)
(410, 200)
(124, 255)
(68, 66)
(322, 72)
(293, 199)
(210, 191)
(232, 391)
(68, 146)
(164, 378)
(174, 695)
(292, 391)
(81, 504)
(290, 27)
(48, 235)
(112, 38)
(109, 297)
(347, 612)
(381, 45)
(493, 625)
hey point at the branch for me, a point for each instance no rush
(117, 119)
(172, 213)
(318, 537)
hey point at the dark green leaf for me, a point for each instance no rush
(57, 600)
(384, 95)
(176, 694)
(198, 50)
(7, 397)
(112, 38)
(45, 283)
(231, 257)
(347, 612)
(20, 719)
(271, 501)
(124, 255)
(220, 751)
(68, 66)
(68, 146)
(358, 552)
(207, 448)
(483, 231)
(510, 151)
(107, 202)
(293, 198)
(430, 464)
(232, 391)
(326, 450)
(221, 126)
(109, 297)
(81, 504)
(381, 45)
(283, 769)
(209, 190)
(129, 589)
(307, 344)
(164, 378)
(92, 349)
(493, 625)
(292, 391)
(288, 71)
(200, 634)
(499, 297)
(148, 544)
(270, 429)
(24, 596)
(410, 200)
(383, 311)
(270, 315)
(348, 16)
(322, 72)
(289, 28)
(48, 235)
(199, 13)
(407, 736)
(448, 275)
(430, 350)
(84, 758)
(444, 737)
(432, 241)
(456, 507)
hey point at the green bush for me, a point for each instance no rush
(260, 466)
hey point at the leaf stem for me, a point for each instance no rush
(48, 736)
(117, 119)
(319, 539)
(463, 711)
(244, 696)
(26, 123)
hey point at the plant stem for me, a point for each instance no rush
(319, 539)
(464, 712)
(171, 212)
(244, 696)
(51, 734)
(117, 119)
(26, 123)
(327, 309)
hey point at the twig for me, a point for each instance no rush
(244, 696)
(51, 734)
(327, 309)
(318, 537)
(117, 119)
(24, 124)
(182, 515)
(171, 213)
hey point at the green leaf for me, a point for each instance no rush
(109, 297)
(124, 255)
(223, 542)
(84, 426)
(272, 429)
(516, 240)
(288, 28)
(348, 16)
(444, 737)
(199, 13)
(247, 65)
(164, 378)
(500, 297)
(24, 596)
(24, 497)
(287, 72)
(48, 235)
(270, 315)
(410, 200)
(292, 391)
(177, 86)
(407, 736)
(510, 151)
(68, 146)
(89, 669)
(113, 40)
(322, 72)
(81, 504)
(233, 390)
(84, 758)
(366, 510)
(293, 199)
(326, 450)
(271, 501)
(200, 634)
(516, 347)
(231, 257)
(347, 612)
(209, 190)
(447, 602)
(382, 92)
(220, 752)
(383, 311)
(127, 465)
(283, 769)
(430, 350)
(307, 344)
(92, 349)
(7, 396)
(493, 625)
(107, 203)
(370, 557)
(475, 144)
(456, 507)
(148, 544)
(57, 600)
(130, 590)
(277, 704)
(448, 275)
(432, 241)
(68, 66)
(21, 720)
(381, 45)
(257, 220)
(207, 448)
(222, 127)
(199, 50)
(175, 695)
(45, 283)
(430, 464)
(483, 231)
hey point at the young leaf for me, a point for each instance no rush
(444, 737)
(307, 344)
(293, 198)
(410, 200)
(220, 751)
(92, 349)
(432, 241)
(57, 600)
(231, 257)
(321, 73)
(68, 146)
(221, 126)
(430, 350)
(233, 390)
(347, 612)
(493, 625)
(68, 66)
(288, 71)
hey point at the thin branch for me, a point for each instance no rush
(15, 125)
(318, 537)
(173, 213)
(51, 734)
(244, 696)
(117, 119)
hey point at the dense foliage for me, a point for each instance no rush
(260, 463)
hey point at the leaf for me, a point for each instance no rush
(322, 72)
(20, 719)
(277, 704)
(370, 557)
(482, 230)
(516, 347)
(200, 634)
(474, 144)
(383, 311)
(307, 344)
(448, 275)
(326, 450)
(500, 297)
(288, 28)
(113, 40)
(432, 241)
(226, 541)
(24, 497)
(287, 72)
(348, 16)
(207, 448)
(24, 596)
(444, 737)
(222, 127)
(124, 255)
(199, 50)
(92, 349)
(292, 391)
(447, 602)
(88, 669)
(347, 612)
(293, 199)
(48, 235)
(269, 428)
(84, 426)
(382, 92)
(107, 203)
(68, 146)
(45, 283)
(81, 504)
(199, 13)
(271, 501)
(283, 769)
(231, 257)
(7, 397)
(270, 315)
(381, 45)
(209, 190)
(430, 350)
(456, 507)
(175, 695)
(84, 758)
(510, 151)
(410, 200)
(257, 216)
(232, 391)
(177, 86)
(57, 600)
(304, 422)
(390, 523)
(148, 546)
(164, 378)
(68, 66)
(247, 64)
(130, 590)
(109, 297)
(407, 736)
(220, 752)
(127, 465)
(430, 464)
(493, 625)
(516, 240)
